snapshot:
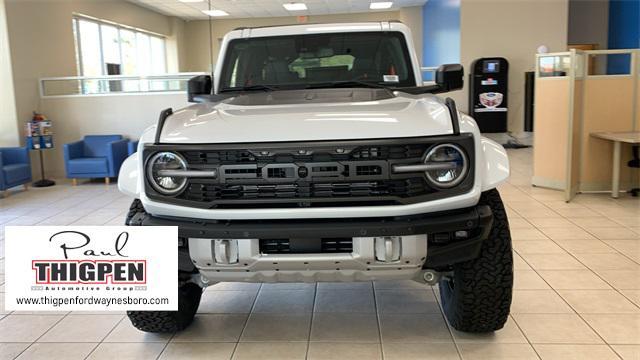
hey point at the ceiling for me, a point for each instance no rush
(264, 8)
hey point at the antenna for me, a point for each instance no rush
(210, 41)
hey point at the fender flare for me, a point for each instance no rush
(128, 181)
(495, 169)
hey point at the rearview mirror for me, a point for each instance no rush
(198, 86)
(450, 77)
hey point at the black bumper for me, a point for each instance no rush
(476, 220)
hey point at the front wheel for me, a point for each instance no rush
(189, 295)
(170, 321)
(477, 297)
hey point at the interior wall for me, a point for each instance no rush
(589, 24)
(441, 32)
(43, 45)
(9, 133)
(624, 32)
(42, 42)
(511, 29)
(197, 32)
(126, 115)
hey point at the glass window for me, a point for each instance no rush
(318, 59)
(89, 35)
(110, 49)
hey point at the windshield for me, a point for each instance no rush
(367, 59)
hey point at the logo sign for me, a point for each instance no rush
(110, 268)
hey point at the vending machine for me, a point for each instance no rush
(488, 87)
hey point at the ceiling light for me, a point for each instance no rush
(380, 5)
(216, 13)
(295, 6)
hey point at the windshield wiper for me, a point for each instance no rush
(250, 88)
(347, 83)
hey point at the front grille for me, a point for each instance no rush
(276, 175)
(201, 191)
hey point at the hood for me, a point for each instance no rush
(308, 115)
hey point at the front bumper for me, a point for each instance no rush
(423, 245)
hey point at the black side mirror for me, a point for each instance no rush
(450, 77)
(198, 86)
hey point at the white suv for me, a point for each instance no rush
(317, 153)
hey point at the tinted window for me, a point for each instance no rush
(377, 57)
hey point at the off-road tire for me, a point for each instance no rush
(135, 208)
(170, 321)
(477, 297)
(189, 295)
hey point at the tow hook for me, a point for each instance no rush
(431, 277)
(200, 280)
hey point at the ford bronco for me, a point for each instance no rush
(317, 153)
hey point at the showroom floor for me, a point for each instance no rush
(577, 295)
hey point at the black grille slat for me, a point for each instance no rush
(336, 245)
(398, 188)
(299, 246)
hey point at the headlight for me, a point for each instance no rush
(450, 165)
(165, 162)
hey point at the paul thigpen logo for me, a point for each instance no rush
(117, 269)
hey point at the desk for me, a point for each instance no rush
(629, 137)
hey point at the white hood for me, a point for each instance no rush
(224, 122)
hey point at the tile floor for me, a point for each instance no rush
(577, 295)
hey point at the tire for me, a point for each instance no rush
(170, 321)
(189, 295)
(477, 297)
(135, 208)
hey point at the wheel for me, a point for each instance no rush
(189, 295)
(170, 321)
(477, 297)
(135, 208)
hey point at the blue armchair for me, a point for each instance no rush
(95, 156)
(15, 167)
(133, 146)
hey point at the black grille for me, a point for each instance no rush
(304, 246)
(337, 245)
(202, 191)
(275, 246)
(349, 173)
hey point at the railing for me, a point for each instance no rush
(125, 84)
(113, 84)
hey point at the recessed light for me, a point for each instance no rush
(216, 13)
(295, 6)
(380, 5)
(190, 1)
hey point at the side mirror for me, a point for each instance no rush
(198, 86)
(449, 77)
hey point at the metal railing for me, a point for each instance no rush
(113, 84)
(126, 84)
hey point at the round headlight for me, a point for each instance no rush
(164, 184)
(450, 165)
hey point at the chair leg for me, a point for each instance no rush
(107, 180)
(74, 182)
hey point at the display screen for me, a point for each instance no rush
(491, 66)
